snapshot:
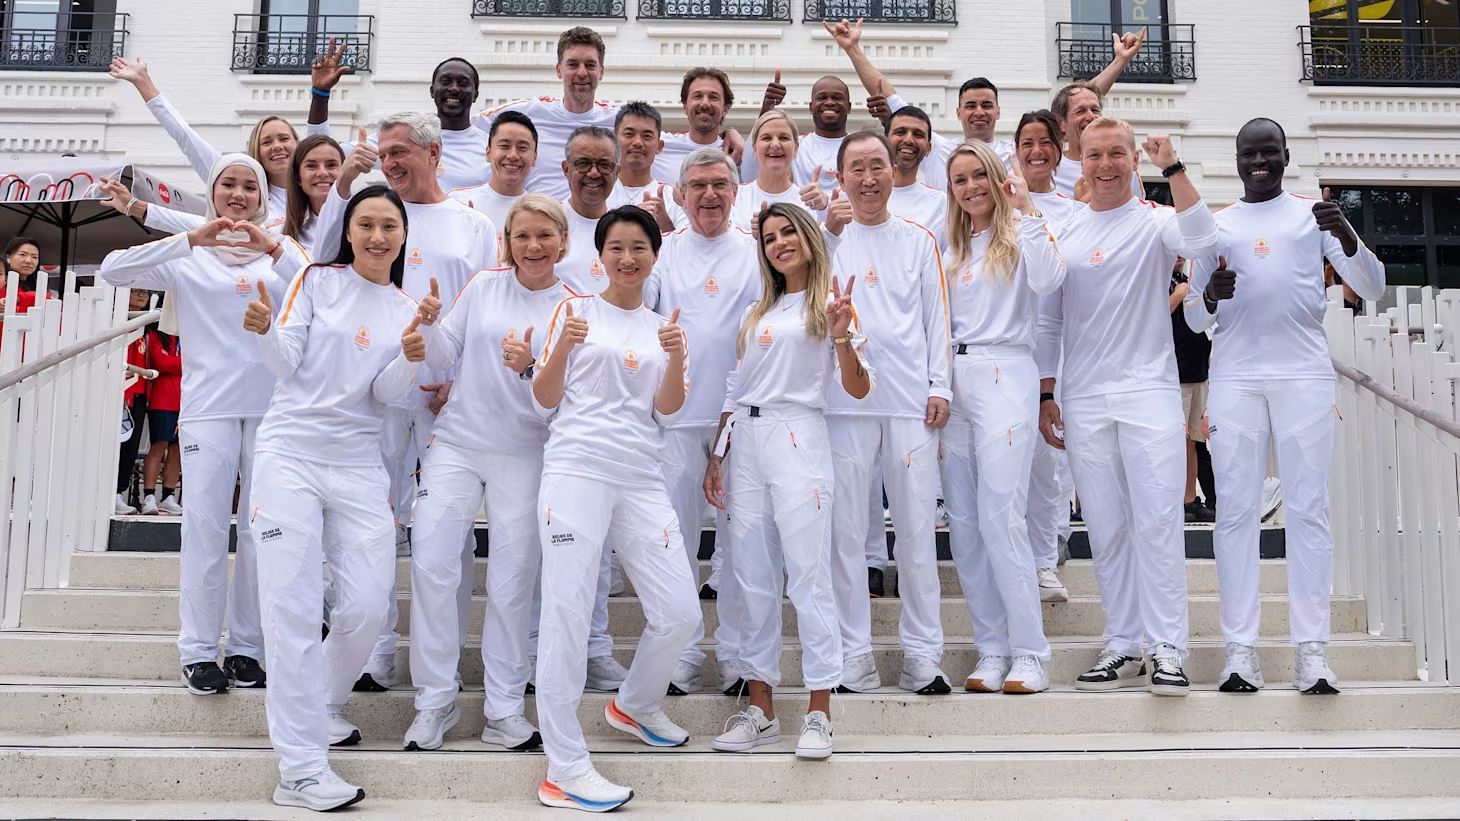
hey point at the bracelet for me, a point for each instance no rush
(1046, 396)
(276, 247)
(842, 340)
(127, 212)
(319, 92)
(1173, 169)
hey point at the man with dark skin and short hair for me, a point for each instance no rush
(831, 104)
(590, 168)
(1272, 385)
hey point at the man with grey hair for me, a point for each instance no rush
(590, 165)
(709, 274)
(446, 243)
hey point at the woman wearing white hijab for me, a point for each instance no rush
(214, 270)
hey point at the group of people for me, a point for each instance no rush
(603, 328)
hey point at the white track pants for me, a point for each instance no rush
(575, 516)
(1128, 455)
(1297, 416)
(781, 522)
(876, 525)
(685, 455)
(215, 453)
(600, 643)
(988, 447)
(908, 452)
(1050, 487)
(454, 483)
(308, 513)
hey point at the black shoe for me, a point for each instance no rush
(1167, 677)
(874, 582)
(530, 689)
(204, 678)
(673, 690)
(324, 631)
(708, 592)
(244, 672)
(367, 684)
(736, 688)
(1077, 516)
(1197, 511)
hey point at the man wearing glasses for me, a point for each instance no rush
(590, 166)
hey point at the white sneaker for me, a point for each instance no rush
(378, 675)
(402, 541)
(940, 515)
(654, 729)
(1243, 672)
(512, 732)
(589, 792)
(605, 675)
(1272, 496)
(686, 679)
(922, 676)
(988, 675)
(429, 728)
(342, 733)
(1026, 676)
(1050, 586)
(149, 505)
(617, 586)
(1112, 671)
(321, 793)
(859, 675)
(169, 505)
(748, 730)
(815, 741)
(123, 507)
(1311, 673)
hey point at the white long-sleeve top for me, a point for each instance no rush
(223, 371)
(784, 367)
(463, 160)
(491, 406)
(634, 195)
(934, 168)
(925, 205)
(200, 154)
(812, 150)
(180, 222)
(677, 146)
(554, 125)
(710, 280)
(751, 195)
(1272, 327)
(986, 309)
(486, 200)
(902, 305)
(1058, 209)
(580, 267)
(335, 348)
(1112, 312)
(606, 426)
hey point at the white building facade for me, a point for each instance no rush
(1369, 92)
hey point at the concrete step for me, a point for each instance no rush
(49, 708)
(157, 610)
(159, 571)
(1271, 765)
(1359, 657)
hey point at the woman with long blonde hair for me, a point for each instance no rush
(997, 264)
(774, 140)
(796, 343)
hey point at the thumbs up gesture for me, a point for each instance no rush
(654, 204)
(517, 353)
(839, 310)
(575, 330)
(1330, 218)
(877, 103)
(838, 212)
(430, 307)
(362, 159)
(671, 337)
(775, 93)
(811, 194)
(412, 344)
(259, 314)
(1223, 284)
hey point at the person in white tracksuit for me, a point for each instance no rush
(1122, 422)
(486, 446)
(709, 274)
(794, 346)
(902, 304)
(611, 372)
(1272, 383)
(997, 266)
(774, 140)
(345, 345)
(225, 393)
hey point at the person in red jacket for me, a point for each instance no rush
(23, 258)
(134, 402)
(164, 355)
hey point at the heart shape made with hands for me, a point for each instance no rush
(236, 236)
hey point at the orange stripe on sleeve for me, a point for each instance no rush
(293, 293)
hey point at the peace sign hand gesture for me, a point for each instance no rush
(839, 310)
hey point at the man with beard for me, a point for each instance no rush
(1272, 381)
(590, 170)
(511, 151)
(831, 104)
(706, 96)
(910, 131)
(637, 130)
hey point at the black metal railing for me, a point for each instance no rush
(1381, 55)
(288, 43)
(1168, 55)
(548, 8)
(73, 42)
(779, 10)
(883, 11)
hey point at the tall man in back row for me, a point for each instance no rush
(1272, 383)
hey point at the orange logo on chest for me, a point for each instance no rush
(415, 257)
(631, 362)
(596, 270)
(362, 338)
(243, 287)
(966, 278)
(1098, 258)
(765, 339)
(870, 278)
(711, 286)
(1261, 248)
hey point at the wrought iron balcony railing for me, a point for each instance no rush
(288, 43)
(778, 10)
(1380, 55)
(1168, 55)
(550, 8)
(76, 42)
(883, 11)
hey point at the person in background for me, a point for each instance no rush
(1193, 356)
(134, 403)
(164, 400)
(23, 257)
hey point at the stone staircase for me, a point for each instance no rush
(91, 707)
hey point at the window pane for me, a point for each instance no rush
(1447, 211)
(1090, 11)
(1328, 11)
(1351, 200)
(1397, 211)
(1403, 264)
(1137, 13)
(1447, 271)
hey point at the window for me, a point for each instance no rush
(882, 11)
(548, 8)
(1083, 44)
(1398, 42)
(715, 9)
(286, 35)
(68, 35)
(1414, 231)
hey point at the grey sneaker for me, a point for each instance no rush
(1243, 672)
(321, 792)
(512, 732)
(1311, 673)
(605, 675)
(428, 730)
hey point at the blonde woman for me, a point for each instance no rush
(997, 264)
(774, 140)
(486, 444)
(795, 344)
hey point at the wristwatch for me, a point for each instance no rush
(1173, 169)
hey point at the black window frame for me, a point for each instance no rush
(1364, 56)
(67, 46)
(260, 49)
(1363, 220)
(591, 9)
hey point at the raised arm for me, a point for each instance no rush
(153, 265)
(324, 73)
(1194, 234)
(673, 389)
(565, 332)
(200, 155)
(1126, 47)
(1354, 262)
(1044, 268)
(283, 339)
